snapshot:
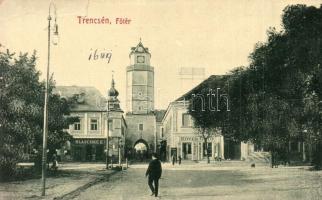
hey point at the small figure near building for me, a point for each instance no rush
(173, 159)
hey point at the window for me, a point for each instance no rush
(162, 132)
(77, 125)
(140, 127)
(110, 124)
(209, 149)
(94, 124)
(185, 120)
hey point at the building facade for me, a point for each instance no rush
(94, 123)
(182, 139)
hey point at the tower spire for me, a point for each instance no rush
(113, 93)
(113, 82)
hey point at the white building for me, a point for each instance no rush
(181, 137)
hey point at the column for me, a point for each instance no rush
(181, 148)
(304, 153)
(222, 147)
(86, 124)
(105, 127)
(202, 150)
(198, 155)
(213, 150)
(192, 150)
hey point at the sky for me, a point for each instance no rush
(211, 34)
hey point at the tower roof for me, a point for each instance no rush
(87, 98)
(112, 92)
(139, 48)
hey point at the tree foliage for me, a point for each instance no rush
(208, 112)
(21, 111)
(277, 97)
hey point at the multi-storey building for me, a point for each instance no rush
(181, 137)
(94, 123)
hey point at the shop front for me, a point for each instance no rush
(194, 148)
(90, 150)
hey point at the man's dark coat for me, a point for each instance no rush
(154, 170)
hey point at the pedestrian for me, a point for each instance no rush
(179, 160)
(55, 163)
(173, 159)
(154, 172)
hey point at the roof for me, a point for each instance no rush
(137, 49)
(208, 82)
(159, 115)
(88, 98)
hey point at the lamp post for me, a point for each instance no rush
(107, 134)
(45, 125)
(119, 150)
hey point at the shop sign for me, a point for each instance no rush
(189, 138)
(89, 141)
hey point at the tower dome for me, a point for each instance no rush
(112, 92)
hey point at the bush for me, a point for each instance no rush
(9, 156)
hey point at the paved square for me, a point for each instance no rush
(212, 182)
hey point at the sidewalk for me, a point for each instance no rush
(214, 166)
(70, 177)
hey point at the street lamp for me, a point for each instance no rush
(119, 145)
(45, 125)
(107, 134)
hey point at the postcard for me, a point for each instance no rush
(174, 99)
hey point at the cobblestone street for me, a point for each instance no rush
(226, 180)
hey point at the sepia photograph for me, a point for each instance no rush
(161, 99)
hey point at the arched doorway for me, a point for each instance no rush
(141, 150)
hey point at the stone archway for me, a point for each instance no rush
(141, 150)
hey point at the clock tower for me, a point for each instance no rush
(140, 81)
(140, 118)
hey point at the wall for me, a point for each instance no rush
(149, 128)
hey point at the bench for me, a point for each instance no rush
(21, 167)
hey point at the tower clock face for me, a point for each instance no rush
(140, 59)
(140, 49)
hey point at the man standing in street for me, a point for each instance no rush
(154, 173)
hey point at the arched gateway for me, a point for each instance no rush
(141, 150)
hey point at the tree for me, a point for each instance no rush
(207, 111)
(276, 83)
(21, 111)
(277, 98)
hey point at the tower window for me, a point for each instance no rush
(94, 124)
(140, 127)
